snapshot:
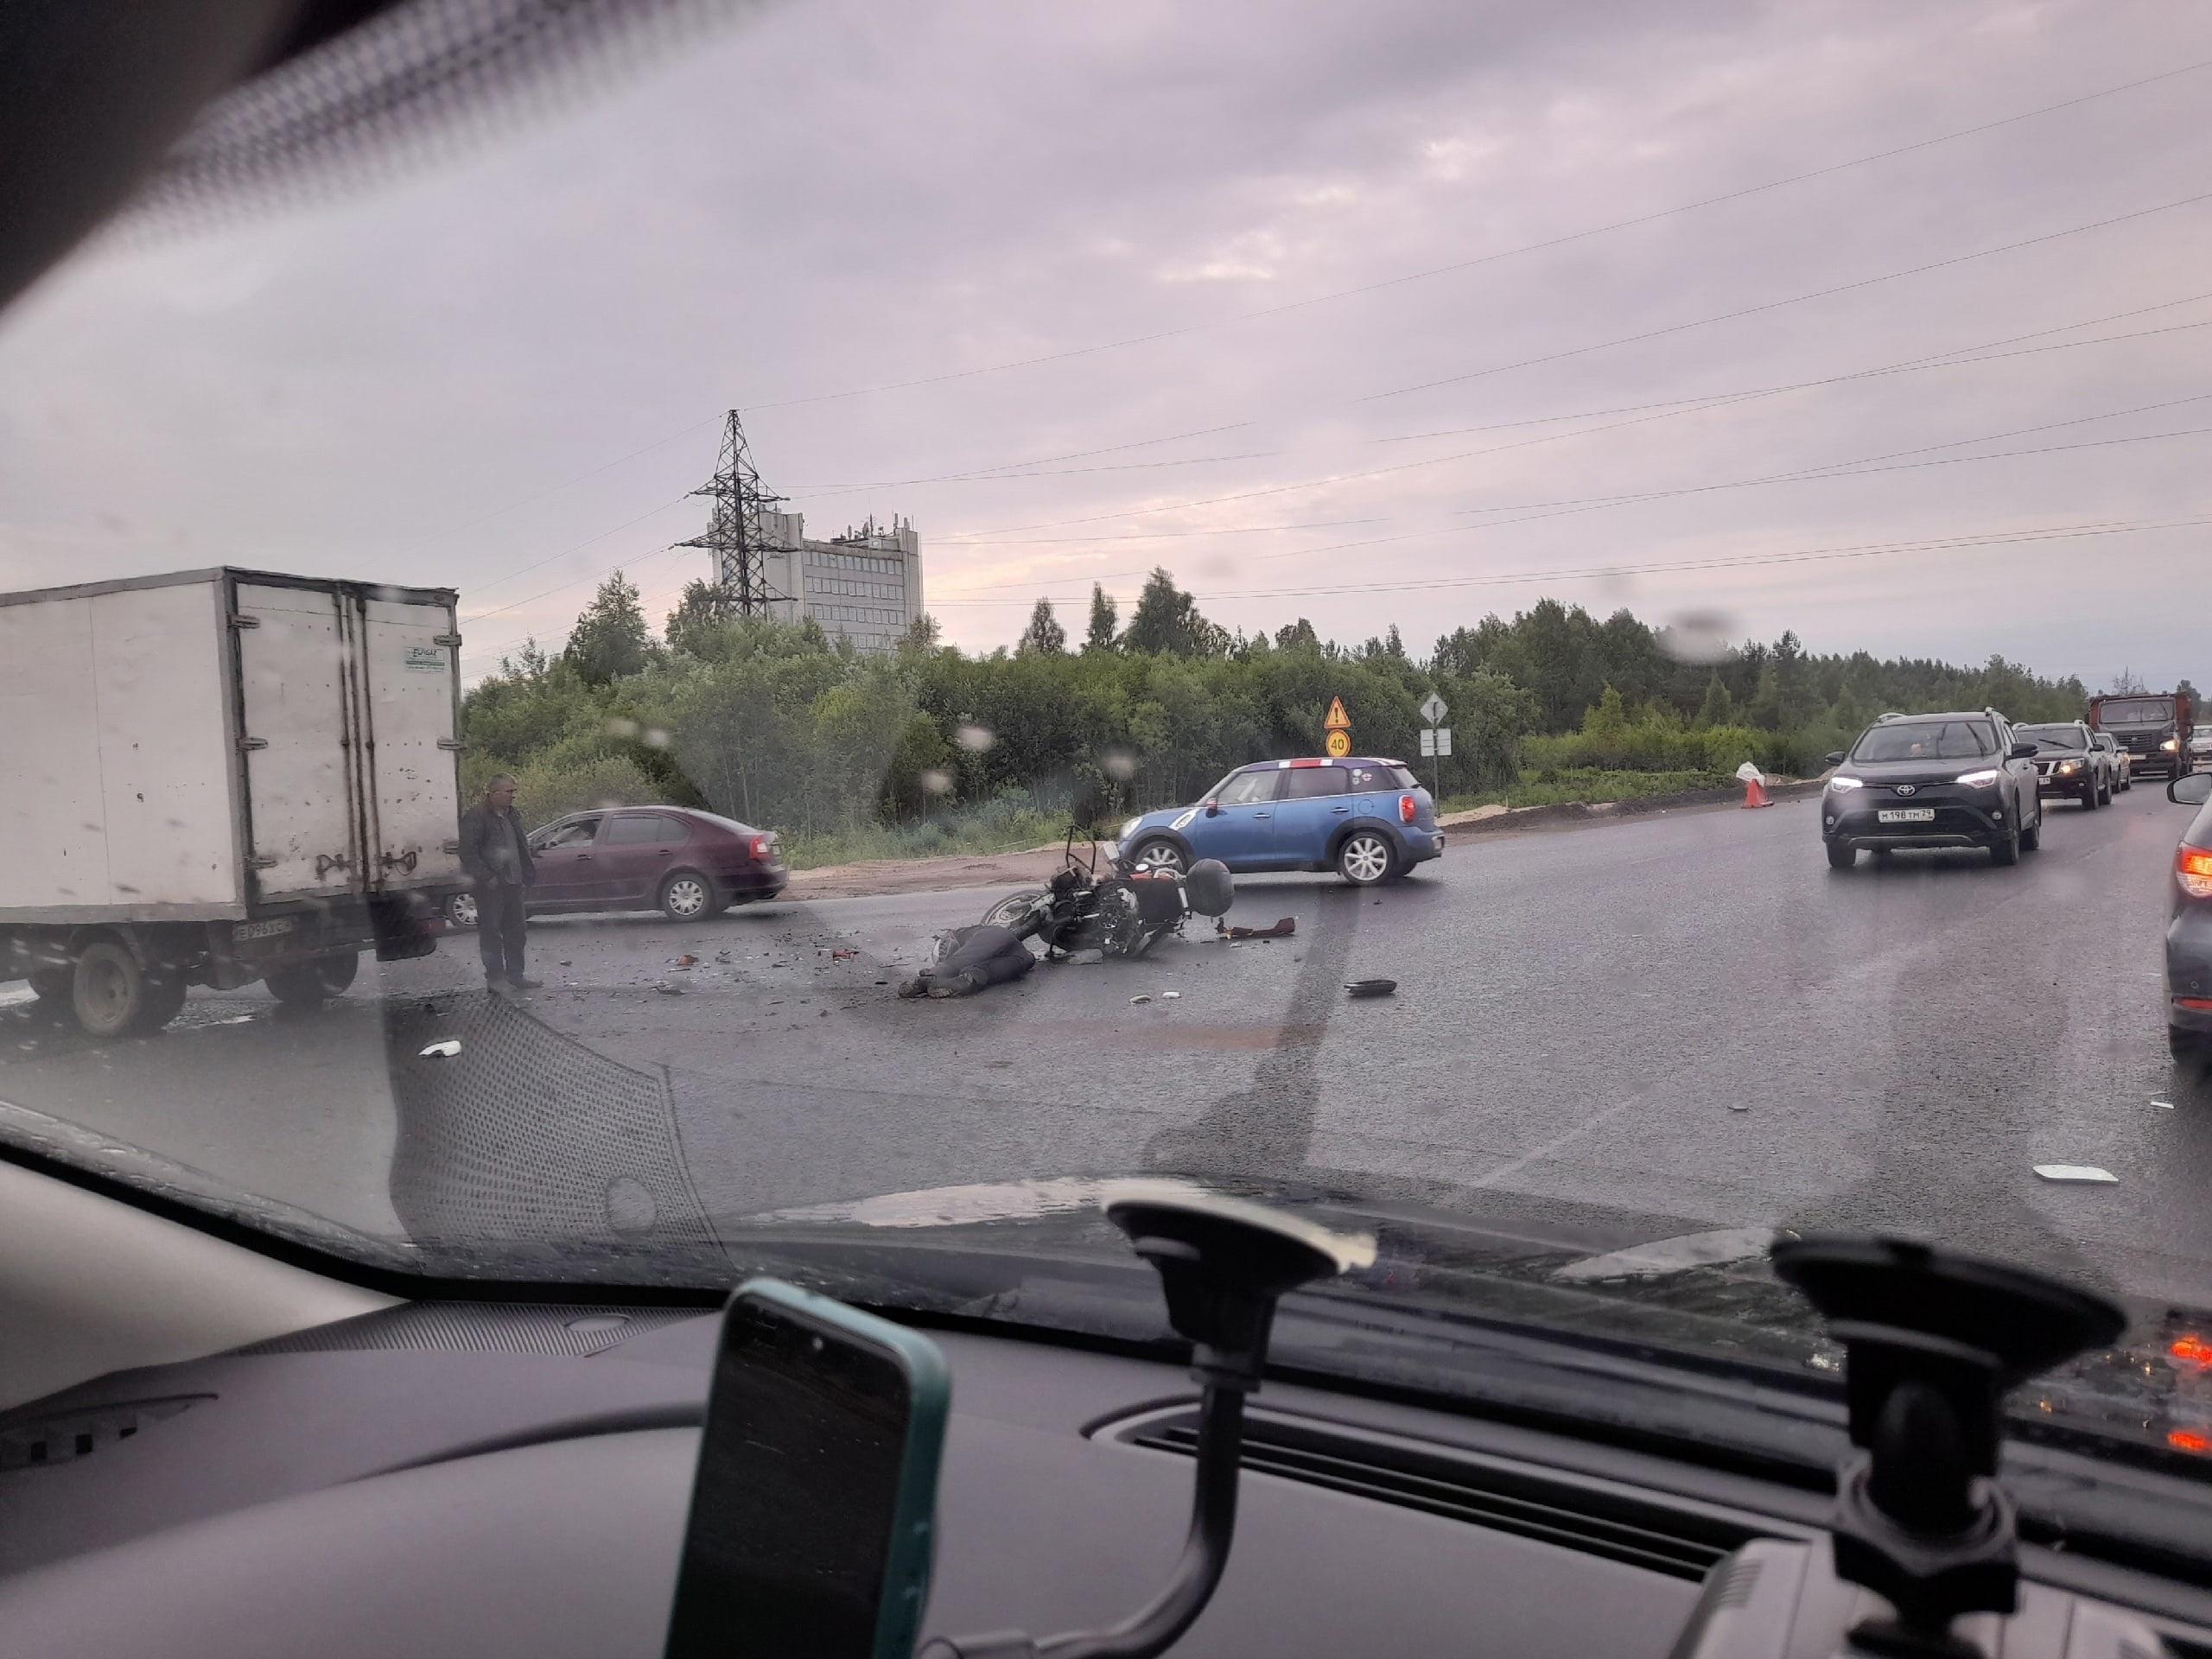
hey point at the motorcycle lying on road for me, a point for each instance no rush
(1122, 912)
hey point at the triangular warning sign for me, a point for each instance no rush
(1337, 721)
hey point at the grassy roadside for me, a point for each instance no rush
(1587, 783)
(1009, 826)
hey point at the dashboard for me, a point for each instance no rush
(485, 1478)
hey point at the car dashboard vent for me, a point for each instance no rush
(1441, 1480)
(34, 1442)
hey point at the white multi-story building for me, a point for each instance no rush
(865, 585)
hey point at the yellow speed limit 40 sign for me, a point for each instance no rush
(1338, 744)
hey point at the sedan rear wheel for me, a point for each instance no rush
(461, 909)
(688, 896)
(1364, 859)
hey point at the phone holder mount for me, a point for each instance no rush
(1224, 1262)
(1933, 1340)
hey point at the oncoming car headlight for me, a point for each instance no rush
(1129, 828)
(1986, 778)
(2067, 768)
(1840, 784)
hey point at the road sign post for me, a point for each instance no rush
(1336, 730)
(1435, 741)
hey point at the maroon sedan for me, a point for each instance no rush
(691, 865)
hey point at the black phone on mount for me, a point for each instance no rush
(812, 1509)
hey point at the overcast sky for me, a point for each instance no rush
(863, 223)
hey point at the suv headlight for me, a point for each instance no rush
(1130, 828)
(1987, 777)
(2066, 767)
(2171, 743)
(1840, 784)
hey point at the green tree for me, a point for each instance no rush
(610, 639)
(1104, 619)
(1297, 636)
(695, 620)
(923, 634)
(1044, 633)
(1718, 708)
(1166, 621)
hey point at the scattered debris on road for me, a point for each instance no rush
(2085, 1173)
(1171, 996)
(1283, 929)
(668, 987)
(1137, 999)
(843, 954)
(1739, 1105)
(2164, 1105)
(442, 1050)
(1367, 987)
(687, 960)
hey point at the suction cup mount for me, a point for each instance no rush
(1933, 1340)
(1224, 1263)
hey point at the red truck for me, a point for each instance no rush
(2154, 726)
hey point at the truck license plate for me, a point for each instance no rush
(1906, 815)
(268, 930)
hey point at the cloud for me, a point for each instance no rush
(506, 374)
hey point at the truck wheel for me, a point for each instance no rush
(310, 984)
(113, 996)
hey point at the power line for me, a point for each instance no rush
(1671, 407)
(1281, 489)
(1534, 511)
(1037, 460)
(1861, 161)
(1964, 541)
(1483, 259)
(1793, 299)
(478, 616)
(1939, 361)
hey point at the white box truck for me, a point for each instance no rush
(218, 777)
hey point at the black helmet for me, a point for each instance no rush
(1208, 888)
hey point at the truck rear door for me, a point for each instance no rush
(412, 780)
(294, 694)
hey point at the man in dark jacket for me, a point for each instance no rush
(495, 853)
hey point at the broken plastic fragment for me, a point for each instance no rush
(2089, 1172)
(442, 1050)
(1365, 988)
(1140, 998)
(1171, 996)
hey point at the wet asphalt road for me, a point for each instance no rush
(1631, 1029)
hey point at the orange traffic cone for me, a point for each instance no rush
(1755, 791)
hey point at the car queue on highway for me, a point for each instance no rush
(1973, 779)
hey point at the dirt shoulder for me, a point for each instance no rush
(1034, 866)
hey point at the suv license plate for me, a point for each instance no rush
(1906, 815)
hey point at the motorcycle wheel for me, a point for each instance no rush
(1010, 911)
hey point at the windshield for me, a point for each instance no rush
(569, 685)
(1949, 740)
(2136, 711)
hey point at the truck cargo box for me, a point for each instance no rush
(220, 745)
